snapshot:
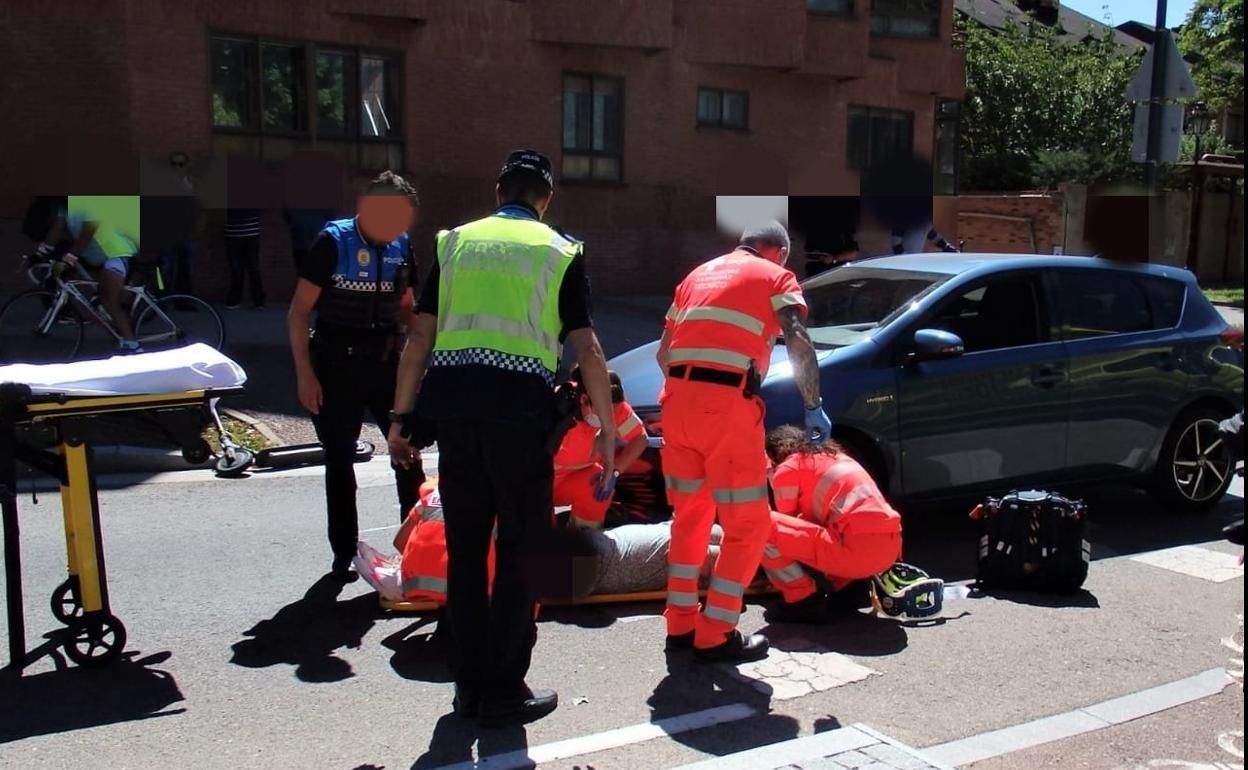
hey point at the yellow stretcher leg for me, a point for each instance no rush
(80, 527)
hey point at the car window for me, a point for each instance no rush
(1101, 302)
(1003, 313)
(846, 303)
(1165, 300)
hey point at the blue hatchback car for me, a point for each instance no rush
(964, 374)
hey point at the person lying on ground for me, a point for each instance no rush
(578, 472)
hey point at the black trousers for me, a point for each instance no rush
(243, 255)
(493, 472)
(352, 382)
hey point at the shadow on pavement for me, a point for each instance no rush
(74, 698)
(1082, 598)
(691, 686)
(453, 738)
(419, 652)
(306, 633)
(848, 632)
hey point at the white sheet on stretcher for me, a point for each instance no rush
(194, 367)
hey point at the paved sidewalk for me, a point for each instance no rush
(856, 747)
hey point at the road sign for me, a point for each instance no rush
(1179, 83)
(1171, 132)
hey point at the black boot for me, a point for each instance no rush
(527, 706)
(737, 649)
(813, 609)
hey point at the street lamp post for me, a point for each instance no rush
(1198, 124)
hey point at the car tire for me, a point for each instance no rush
(1191, 460)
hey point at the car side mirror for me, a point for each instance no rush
(936, 345)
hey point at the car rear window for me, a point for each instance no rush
(1101, 302)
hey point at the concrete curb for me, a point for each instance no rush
(259, 426)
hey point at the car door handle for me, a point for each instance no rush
(1047, 377)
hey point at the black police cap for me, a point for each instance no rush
(528, 161)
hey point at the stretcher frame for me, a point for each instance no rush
(757, 589)
(93, 635)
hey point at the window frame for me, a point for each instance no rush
(871, 111)
(848, 13)
(590, 153)
(872, 16)
(1075, 276)
(720, 124)
(938, 118)
(311, 49)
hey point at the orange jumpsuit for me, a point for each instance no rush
(424, 555)
(830, 516)
(723, 318)
(575, 467)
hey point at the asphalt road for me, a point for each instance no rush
(243, 655)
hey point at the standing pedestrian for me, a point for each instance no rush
(504, 293)
(715, 351)
(176, 256)
(242, 250)
(356, 279)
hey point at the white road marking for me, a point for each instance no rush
(1203, 563)
(610, 739)
(380, 529)
(1079, 721)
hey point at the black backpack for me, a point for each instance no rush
(1034, 541)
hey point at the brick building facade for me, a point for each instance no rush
(649, 108)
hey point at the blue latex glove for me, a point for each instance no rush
(603, 490)
(818, 424)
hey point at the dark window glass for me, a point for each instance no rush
(233, 83)
(723, 109)
(1004, 313)
(1101, 302)
(331, 93)
(379, 115)
(1165, 299)
(876, 134)
(946, 142)
(905, 18)
(593, 127)
(830, 7)
(282, 78)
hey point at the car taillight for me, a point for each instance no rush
(1232, 338)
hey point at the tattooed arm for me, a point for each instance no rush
(801, 354)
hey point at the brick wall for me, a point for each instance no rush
(480, 78)
(1013, 223)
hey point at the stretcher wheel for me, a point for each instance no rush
(95, 641)
(66, 606)
(234, 463)
(197, 453)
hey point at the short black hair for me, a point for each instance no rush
(390, 183)
(523, 186)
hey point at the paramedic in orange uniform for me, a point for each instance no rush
(830, 516)
(578, 474)
(715, 350)
(422, 541)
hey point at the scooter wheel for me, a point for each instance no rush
(66, 606)
(235, 463)
(95, 641)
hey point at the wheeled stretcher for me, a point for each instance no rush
(35, 414)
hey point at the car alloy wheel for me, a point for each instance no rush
(1202, 461)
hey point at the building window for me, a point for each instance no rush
(905, 18)
(268, 88)
(945, 147)
(233, 83)
(830, 7)
(593, 127)
(876, 134)
(723, 109)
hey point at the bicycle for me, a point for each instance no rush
(47, 324)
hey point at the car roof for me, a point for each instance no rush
(962, 262)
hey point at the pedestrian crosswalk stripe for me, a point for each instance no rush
(1197, 562)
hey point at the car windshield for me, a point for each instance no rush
(847, 303)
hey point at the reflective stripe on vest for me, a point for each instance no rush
(722, 315)
(499, 287)
(709, 356)
(791, 299)
(628, 425)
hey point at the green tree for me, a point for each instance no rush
(1214, 32)
(1040, 111)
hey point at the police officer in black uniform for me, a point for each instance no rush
(356, 278)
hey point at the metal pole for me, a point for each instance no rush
(1161, 39)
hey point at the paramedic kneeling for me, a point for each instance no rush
(830, 516)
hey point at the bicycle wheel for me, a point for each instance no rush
(22, 338)
(181, 320)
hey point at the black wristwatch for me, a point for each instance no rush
(397, 417)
